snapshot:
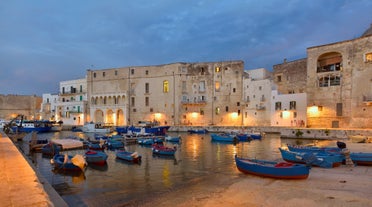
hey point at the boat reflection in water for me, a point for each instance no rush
(198, 161)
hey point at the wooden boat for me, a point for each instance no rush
(113, 144)
(224, 137)
(149, 141)
(50, 149)
(95, 157)
(271, 169)
(163, 150)
(172, 139)
(316, 159)
(96, 146)
(359, 158)
(255, 135)
(69, 162)
(197, 131)
(132, 157)
(243, 137)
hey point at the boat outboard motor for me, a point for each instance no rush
(341, 145)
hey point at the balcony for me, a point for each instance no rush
(196, 102)
(259, 108)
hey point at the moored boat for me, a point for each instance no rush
(132, 157)
(224, 137)
(96, 128)
(163, 150)
(68, 162)
(31, 126)
(176, 139)
(316, 159)
(197, 131)
(95, 157)
(271, 169)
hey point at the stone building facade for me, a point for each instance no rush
(173, 94)
(13, 105)
(290, 77)
(339, 84)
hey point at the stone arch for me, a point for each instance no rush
(99, 116)
(329, 62)
(110, 116)
(120, 118)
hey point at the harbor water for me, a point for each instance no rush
(197, 162)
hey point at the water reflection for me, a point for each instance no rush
(197, 160)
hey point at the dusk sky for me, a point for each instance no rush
(43, 42)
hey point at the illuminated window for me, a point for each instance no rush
(368, 57)
(165, 86)
(217, 69)
(217, 86)
(218, 110)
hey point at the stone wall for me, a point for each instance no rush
(12, 105)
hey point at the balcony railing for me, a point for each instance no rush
(197, 102)
(367, 99)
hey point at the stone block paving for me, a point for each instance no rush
(19, 184)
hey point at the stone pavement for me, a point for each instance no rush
(20, 184)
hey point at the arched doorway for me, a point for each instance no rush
(99, 116)
(120, 119)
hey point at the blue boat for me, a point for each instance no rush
(68, 162)
(95, 157)
(224, 137)
(113, 144)
(316, 159)
(96, 146)
(163, 150)
(149, 141)
(197, 131)
(50, 149)
(132, 157)
(173, 139)
(359, 158)
(31, 126)
(255, 135)
(243, 137)
(271, 169)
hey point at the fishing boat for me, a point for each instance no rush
(68, 162)
(224, 137)
(50, 149)
(132, 157)
(96, 128)
(316, 159)
(163, 150)
(31, 125)
(359, 158)
(149, 141)
(97, 146)
(255, 135)
(197, 131)
(176, 139)
(114, 144)
(95, 157)
(243, 137)
(271, 169)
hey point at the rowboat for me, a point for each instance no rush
(69, 162)
(271, 169)
(95, 157)
(224, 137)
(319, 159)
(113, 144)
(359, 158)
(172, 139)
(197, 131)
(50, 149)
(132, 157)
(163, 150)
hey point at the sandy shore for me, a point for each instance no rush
(341, 186)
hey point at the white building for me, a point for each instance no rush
(49, 107)
(72, 101)
(257, 87)
(288, 109)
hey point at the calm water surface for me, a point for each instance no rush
(120, 183)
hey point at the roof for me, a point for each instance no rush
(368, 32)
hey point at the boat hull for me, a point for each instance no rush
(132, 157)
(95, 157)
(272, 169)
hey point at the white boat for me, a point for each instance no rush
(97, 128)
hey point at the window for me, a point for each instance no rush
(217, 69)
(368, 57)
(202, 86)
(260, 88)
(132, 71)
(184, 86)
(147, 72)
(329, 62)
(116, 72)
(147, 101)
(103, 74)
(217, 86)
(234, 90)
(104, 100)
(339, 109)
(279, 78)
(294, 114)
(147, 87)
(227, 109)
(329, 80)
(132, 101)
(165, 86)
(237, 103)
(81, 98)
(94, 75)
(292, 105)
(201, 112)
(81, 88)
(278, 106)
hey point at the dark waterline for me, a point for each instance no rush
(197, 161)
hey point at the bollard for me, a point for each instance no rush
(348, 161)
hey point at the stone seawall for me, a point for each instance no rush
(288, 132)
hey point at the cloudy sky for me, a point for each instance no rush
(43, 42)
